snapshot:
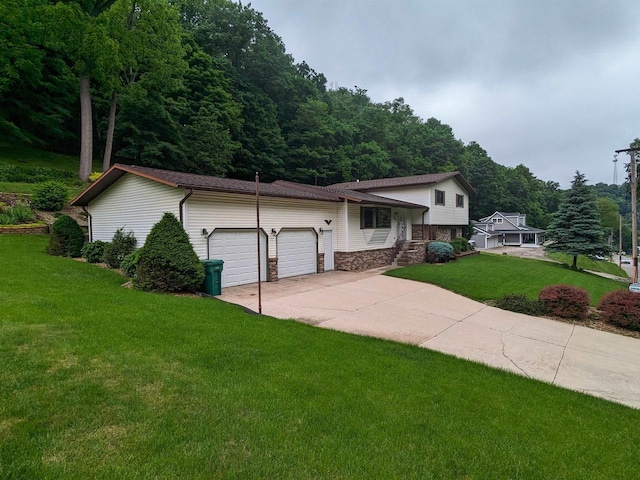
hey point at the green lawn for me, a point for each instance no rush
(587, 263)
(98, 381)
(488, 277)
(25, 155)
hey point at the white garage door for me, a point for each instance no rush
(239, 250)
(297, 253)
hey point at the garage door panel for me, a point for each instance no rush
(297, 253)
(238, 250)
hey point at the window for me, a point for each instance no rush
(459, 201)
(496, 220)
(375, 217)
(439, 197)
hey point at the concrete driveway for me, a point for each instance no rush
(367, 303)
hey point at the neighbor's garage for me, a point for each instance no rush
(297, 252)
(239, 251)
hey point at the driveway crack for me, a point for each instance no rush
(504, 353)
(564, 350)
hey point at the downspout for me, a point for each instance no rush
(181, 206)
(89, 223)
(346, 225)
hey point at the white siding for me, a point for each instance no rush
(359, 238)
(134, 204)
(449, 214)
(211, 210)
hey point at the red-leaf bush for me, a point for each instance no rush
(622, 308)
(565, 301)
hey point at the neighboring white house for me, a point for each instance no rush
(503, 228)
(304, 228)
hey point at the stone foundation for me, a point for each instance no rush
(272, 270)
(434, 232)
(417, 254)
(363, 260)
(320, 264)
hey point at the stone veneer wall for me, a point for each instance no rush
(272, 270)
(418, 253)
(363, 260)
(433, 232)
(320, 265)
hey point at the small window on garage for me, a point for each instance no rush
(375, 217)
(439, 197)
(459, 201)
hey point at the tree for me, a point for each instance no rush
(576, 228)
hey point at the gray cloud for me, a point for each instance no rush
(550, 84)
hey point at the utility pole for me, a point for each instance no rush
(620, 243)
(634, 210)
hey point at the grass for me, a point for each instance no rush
(587, 263)
(17, 154)
(98, 381)
(488, 277)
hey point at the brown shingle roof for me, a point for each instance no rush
(193, 181)
(425, 179)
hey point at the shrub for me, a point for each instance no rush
(66, 238)
(94, 176)
(93, 251)
(130, 263)
(442, 251)
(622, 308)
(518, 302)
(565, 301)
(460, 245)
(49, 196)
(25, 174)
(121, 245)
(167, 261)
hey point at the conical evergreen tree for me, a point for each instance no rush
(575, 228)
(167, 261)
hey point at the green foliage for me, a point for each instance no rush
(440, 252)
(29, 174)
(17, 214)
(167, 260)
(121, 245)
(520, 303)
(565, 301)
(67, 238)
(130, 263)
(93, 251)
(50, 196)
(460, 245)
(575, 228)
(621, 308)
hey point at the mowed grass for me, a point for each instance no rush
(99, 381)
(587, 263)
(488, 277)
(27, 156)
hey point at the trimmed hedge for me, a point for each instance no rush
(520, 303)
(621, 308)
(67, 238)
(167, 260)
(565, 301)
(94, 251)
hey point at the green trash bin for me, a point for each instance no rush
(212, 284)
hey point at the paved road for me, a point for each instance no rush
(570, 356)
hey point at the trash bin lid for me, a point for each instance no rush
(212, 261)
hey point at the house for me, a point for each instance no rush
(304, 228)
(503, 228)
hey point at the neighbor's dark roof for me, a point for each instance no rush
(426, 179)
(228, 185)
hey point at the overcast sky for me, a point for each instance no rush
(551, 84)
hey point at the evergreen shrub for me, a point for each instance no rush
(121, 245)
(130, 263)
(439, 251)
(49, 196)
(520, 303)
(621, 308)
(93, 251)
(167, 260)
(460, 245)
(565, 301)
(67, 238)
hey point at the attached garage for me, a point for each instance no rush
(297, 252)
(239, 250)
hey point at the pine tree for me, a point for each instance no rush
(575, 228)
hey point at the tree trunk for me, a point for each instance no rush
(106, 161)
(86, 129)
(575, 263)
